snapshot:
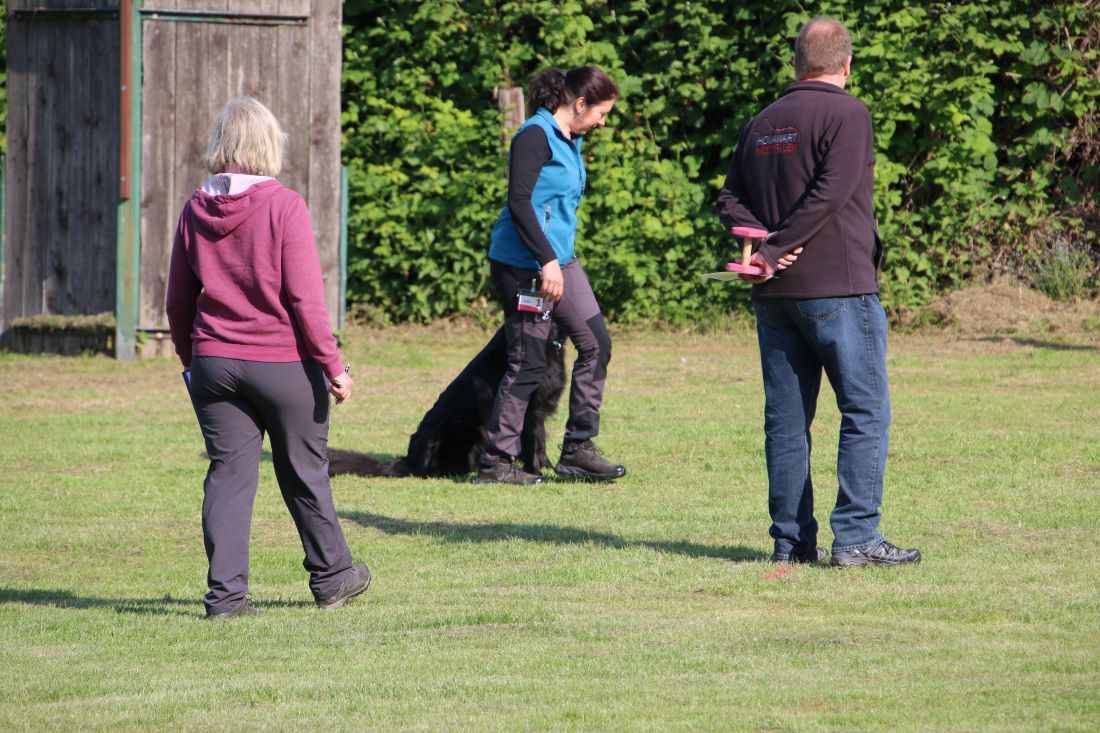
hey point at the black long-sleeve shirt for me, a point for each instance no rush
(804, 170)
(530, 151)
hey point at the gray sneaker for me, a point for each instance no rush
(356, 581)
(883, 553)
(583, 461)
(506, 472)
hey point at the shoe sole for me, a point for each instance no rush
(230, 616)
(513, 483)
(582, 475)
(886, 564)
(333, 605)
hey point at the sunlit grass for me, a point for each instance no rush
(640, 605)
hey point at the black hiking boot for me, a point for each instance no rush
(881, 554)
(583, 461)
(506, 472)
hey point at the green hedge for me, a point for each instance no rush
(985, 115)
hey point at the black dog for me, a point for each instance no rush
(450, 438)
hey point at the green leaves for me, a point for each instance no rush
(985, 119)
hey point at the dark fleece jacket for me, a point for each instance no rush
(804, 170)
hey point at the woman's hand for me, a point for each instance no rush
(553, 284)
(341, 388)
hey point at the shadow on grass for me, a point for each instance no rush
(166, 606)
(1038, 343)
(546, 533)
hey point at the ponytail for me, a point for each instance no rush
(548, 90)
(553, 87)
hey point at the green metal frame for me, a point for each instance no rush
(343, 248)
(128, 260)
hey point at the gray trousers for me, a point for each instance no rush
(236, 402)
(577, 316)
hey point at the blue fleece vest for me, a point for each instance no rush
(556, 196)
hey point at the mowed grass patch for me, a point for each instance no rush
(642, 605)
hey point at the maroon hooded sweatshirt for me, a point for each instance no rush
(245, 280)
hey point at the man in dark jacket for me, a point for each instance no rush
(804, 171)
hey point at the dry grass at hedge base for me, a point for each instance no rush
(1007, 308)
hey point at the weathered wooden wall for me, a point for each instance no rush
(62, 171)
(19, 6)
(62, 162)
(191, 69)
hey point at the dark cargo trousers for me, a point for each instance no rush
(236, 402)
(577, 316)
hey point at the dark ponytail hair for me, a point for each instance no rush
(553, 88)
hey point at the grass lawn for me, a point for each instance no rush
(643, 605)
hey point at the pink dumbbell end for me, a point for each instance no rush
(749, 232)
(746, 269)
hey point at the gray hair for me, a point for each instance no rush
(822, 47)
(246, 135)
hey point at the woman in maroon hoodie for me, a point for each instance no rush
(248, 319)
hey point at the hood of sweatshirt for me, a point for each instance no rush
(222, 214)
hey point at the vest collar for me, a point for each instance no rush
(548, 118)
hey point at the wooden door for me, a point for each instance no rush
(196, 56)
(62, 163)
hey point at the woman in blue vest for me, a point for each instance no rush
(540, 280)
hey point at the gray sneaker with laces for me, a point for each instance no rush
(883, 553)
(243, 608)
(356, 581)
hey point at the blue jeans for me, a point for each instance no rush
(845, 337)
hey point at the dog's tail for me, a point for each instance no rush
(364, 464)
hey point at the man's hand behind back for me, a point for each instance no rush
(769, 272)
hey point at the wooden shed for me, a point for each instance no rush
(109, 106)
